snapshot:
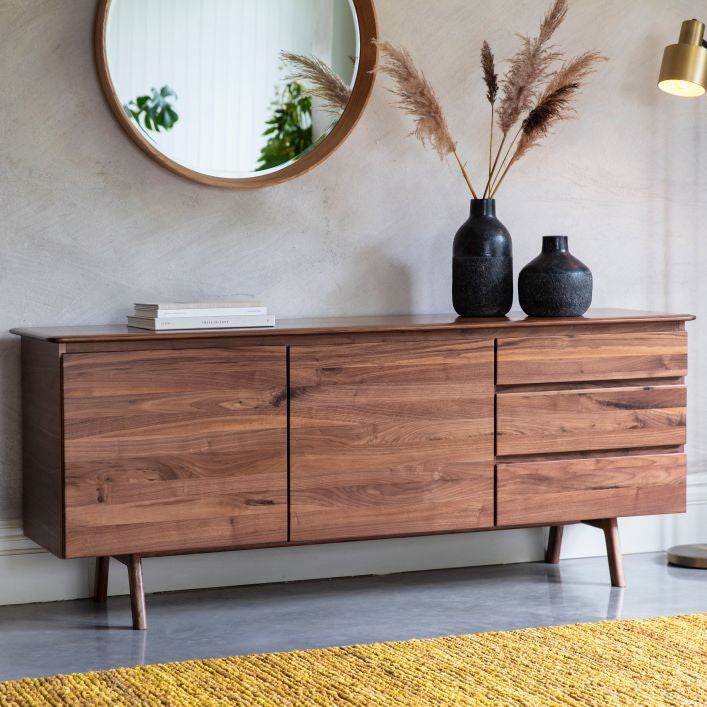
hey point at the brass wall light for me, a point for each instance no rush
(684, 73)
(684, 68)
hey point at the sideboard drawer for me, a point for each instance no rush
(587, 357)
(590, 419)
(174, 450)
(567, 490)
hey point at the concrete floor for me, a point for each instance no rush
(77, 636)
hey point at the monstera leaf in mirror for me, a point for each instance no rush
(156, 111)
(227, 59)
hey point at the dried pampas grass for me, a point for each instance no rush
(553, 105)
(552, 20)
(522, 96)
(575, 71)
(488, 66)
(528, 67)
(417, 98)
(324, 82)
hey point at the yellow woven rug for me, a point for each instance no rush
(640, 662)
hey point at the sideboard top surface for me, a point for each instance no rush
(346, 325)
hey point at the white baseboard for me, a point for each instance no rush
(30, 574)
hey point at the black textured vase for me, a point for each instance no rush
(482, 264)
(555, 284)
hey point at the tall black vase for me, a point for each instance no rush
(555, 284)
(482, 264)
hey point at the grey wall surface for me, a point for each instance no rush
(90, 224)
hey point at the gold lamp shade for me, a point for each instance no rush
(684, 68)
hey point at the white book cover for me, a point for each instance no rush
(194, 305)
(227, 322)
(205, 312)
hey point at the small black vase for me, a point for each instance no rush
(482, 264)
(555, 284)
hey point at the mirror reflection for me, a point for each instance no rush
(233, 88)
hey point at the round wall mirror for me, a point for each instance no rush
(237, 93)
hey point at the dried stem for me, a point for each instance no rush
(490, 151)
(465, 174)
(495, 162)
(488, 66)
(506, 156)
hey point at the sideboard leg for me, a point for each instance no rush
(610, 527)
(554, 544)
(100, 587)
(137, 592)
(613, 551)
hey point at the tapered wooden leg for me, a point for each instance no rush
(613, 551)
(137, 592)
(610, 527)
(554, 544)
(100, 587)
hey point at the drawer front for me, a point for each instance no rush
(586, 489)
(175, 450)
(590, 419)
(390, 439)
(587, 357)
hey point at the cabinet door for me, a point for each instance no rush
(391, 439)
(174, 450)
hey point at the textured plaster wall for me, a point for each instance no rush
(90, 224)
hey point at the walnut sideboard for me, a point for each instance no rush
(139, 444)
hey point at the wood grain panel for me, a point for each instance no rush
(175, 450)
(567, 490)
(42, 487)
(586, 357)
(391, 439)
(585, 420)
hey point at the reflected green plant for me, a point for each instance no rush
(155, 112)
(290, 128)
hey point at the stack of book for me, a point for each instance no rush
(167, 316)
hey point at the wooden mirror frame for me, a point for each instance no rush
(363, 85)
